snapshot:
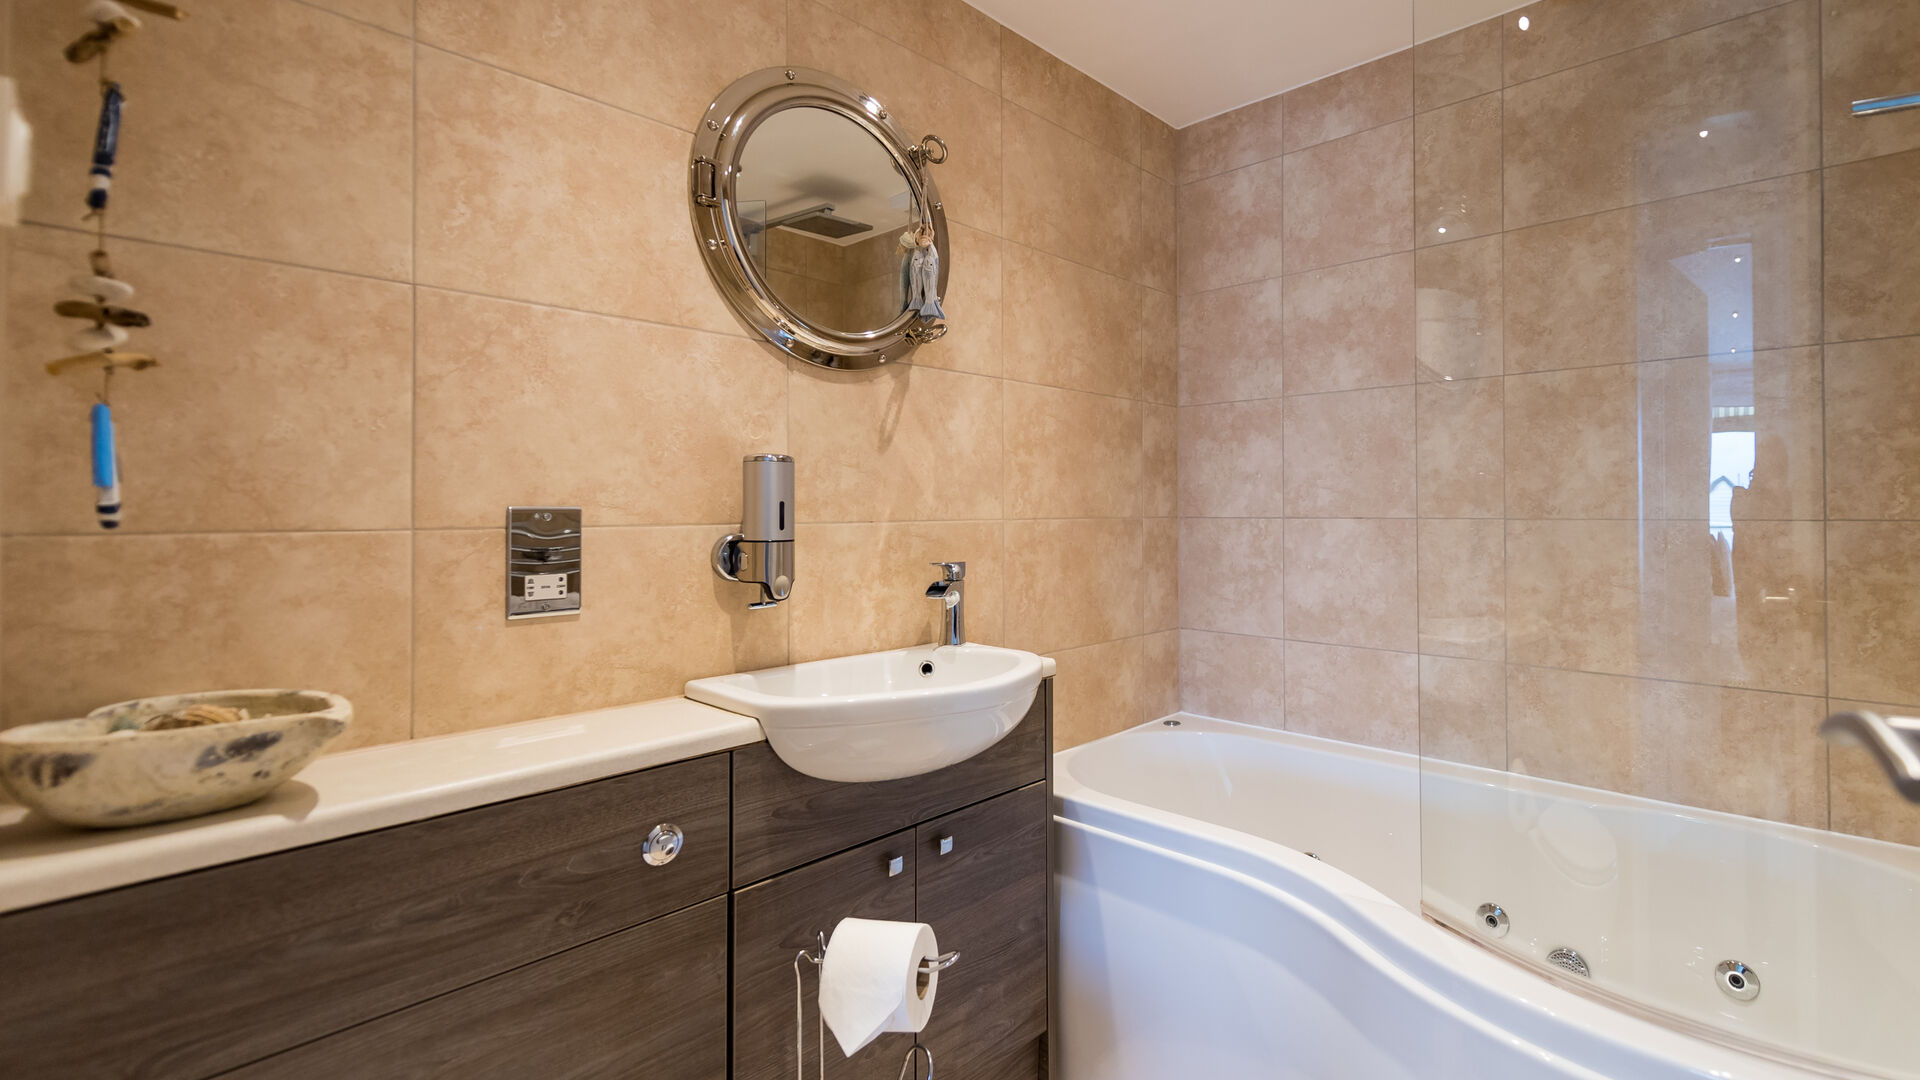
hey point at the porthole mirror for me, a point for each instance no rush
(819, 220)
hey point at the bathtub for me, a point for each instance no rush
(1239, 902)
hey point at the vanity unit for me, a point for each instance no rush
(642, 924)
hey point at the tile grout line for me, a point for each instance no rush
(413, 395)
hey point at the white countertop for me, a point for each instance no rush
(361, 790)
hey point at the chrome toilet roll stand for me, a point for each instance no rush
(928, 968)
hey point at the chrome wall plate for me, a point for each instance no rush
(543, 561)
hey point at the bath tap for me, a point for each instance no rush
(1894, 741)
(949, 590)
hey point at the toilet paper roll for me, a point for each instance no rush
(869, 983)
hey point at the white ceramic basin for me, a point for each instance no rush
(882, 716)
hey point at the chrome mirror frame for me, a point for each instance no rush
(713, 170)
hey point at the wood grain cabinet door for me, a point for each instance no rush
(649, 1002)
(780, 916)
(986, 896)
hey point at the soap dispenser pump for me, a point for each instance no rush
(761, 553)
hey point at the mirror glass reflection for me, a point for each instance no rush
(824, 207)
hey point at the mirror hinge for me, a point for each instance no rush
(704, 173)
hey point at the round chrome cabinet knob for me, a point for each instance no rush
(662, 844)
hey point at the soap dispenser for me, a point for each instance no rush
(761, 553)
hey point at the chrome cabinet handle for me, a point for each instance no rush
(896, 866)
(946, 845)
(663, 842)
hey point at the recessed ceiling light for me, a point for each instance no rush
(1736, 258)
(1525, 22)
(1703, 134)
(1736, 314)
(1443, 228)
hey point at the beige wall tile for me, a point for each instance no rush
(1230, 459)
(1463, 588)
(1351, 326)
(1571, 293)
(955, 34)
(1230, 140)
(1058, 598)
(1873, 578)
(635, 423)
(1463, 711)
(1159, 675)
(1866, 46)
(972, 302)
(1460, 310)
(146, 615)
(1157, 265)
(894, 443)
(1873, 248)
(1324, 224)
(1696, 745)
(1159, 347)
(1230, 232)
(1573, 594)
(1767, 633)
(922, 95)
(1159, 147)
(1231, 343)
(1563, 33)
(1625, 130)
(654, 57)
(1071, 454)
(1677, 399)
(1070, 325)
(1234, 677)
(1457, 66)
(532, 193)
(1098, 690)
(654, 616)
(394, 15)
(1230, 576)
(209, 440)
(1350, 454)
(1456, 171)
(1040, 82)
(1070, 198)
(1160, 574)
(1663, 280)
(1353, 581)
(1873, 446)
(1559, 469)
(1355, 695)
(863, 588)
(1863, 802)
(1375, 93)
(269, 129)
(1460, 448)
(1160, 460)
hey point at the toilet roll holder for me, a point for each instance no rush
(929, 967)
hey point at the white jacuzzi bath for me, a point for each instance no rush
(1198, 940)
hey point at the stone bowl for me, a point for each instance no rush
(83, 772)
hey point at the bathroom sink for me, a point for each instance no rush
(885, 715)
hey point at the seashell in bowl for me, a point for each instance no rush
(85, 772)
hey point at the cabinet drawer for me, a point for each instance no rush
(206, 971)
(987, 897)
(776, 919)
(650, 1001)
(783, 819)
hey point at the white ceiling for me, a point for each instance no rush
(1187, 60)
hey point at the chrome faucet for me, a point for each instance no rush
(949, 591)
(1894, 741)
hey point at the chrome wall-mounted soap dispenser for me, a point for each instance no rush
(761, 553)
